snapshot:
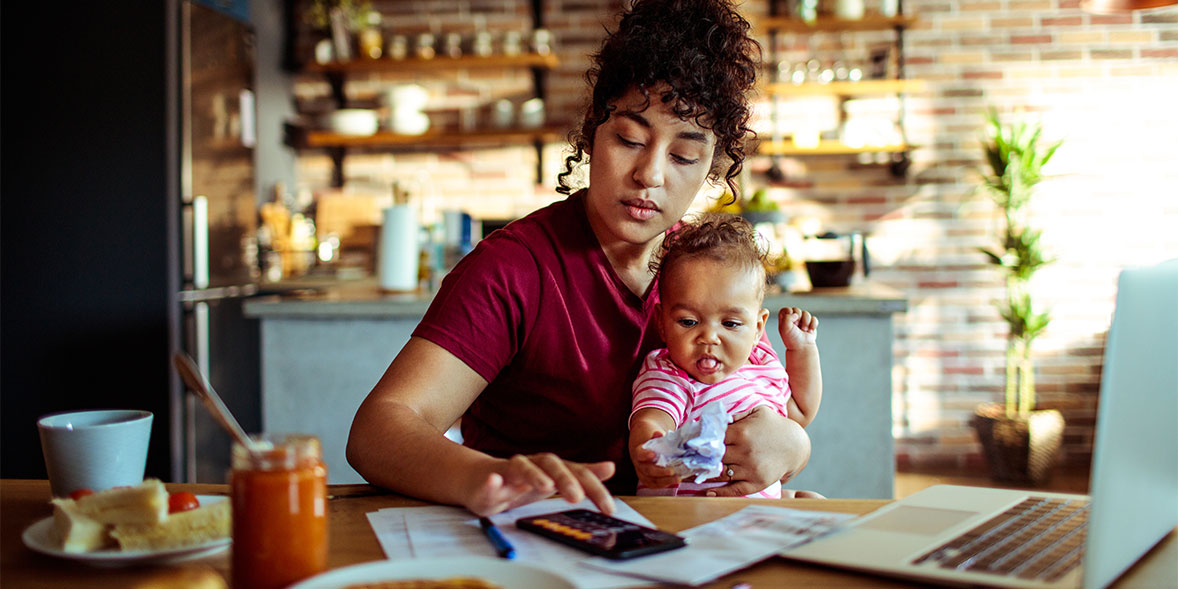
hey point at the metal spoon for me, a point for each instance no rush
(196, 381)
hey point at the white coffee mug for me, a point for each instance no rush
(94, 450)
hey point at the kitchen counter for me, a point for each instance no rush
(326, 344)
(364, 299)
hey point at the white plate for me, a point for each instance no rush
(507, 573)
(37, 538)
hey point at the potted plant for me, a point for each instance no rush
(335, 22)
(1019, 441)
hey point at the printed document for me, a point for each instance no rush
(713, 549)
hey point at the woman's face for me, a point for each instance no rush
(645, 168)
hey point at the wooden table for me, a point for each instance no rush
(23, 502)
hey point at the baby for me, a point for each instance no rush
(711, 288)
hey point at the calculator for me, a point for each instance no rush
(600, 534)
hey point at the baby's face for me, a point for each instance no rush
(710, 316)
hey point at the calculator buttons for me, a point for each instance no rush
(600, 534)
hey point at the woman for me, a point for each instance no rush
(535, 337)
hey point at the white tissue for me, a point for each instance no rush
(697, 447)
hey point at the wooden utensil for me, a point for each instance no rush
(197, 383)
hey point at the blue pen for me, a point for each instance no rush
(502, 546)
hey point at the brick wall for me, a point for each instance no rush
(1105, 84)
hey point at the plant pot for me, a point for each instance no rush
(1020, 450)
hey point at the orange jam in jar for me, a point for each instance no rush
(279, 495)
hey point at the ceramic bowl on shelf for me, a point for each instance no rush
(830, 273)
(352, 121)
(409, 122)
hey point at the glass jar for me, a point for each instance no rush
(279, 498)
(371, 41)
(513, 43)
(542, 42)
(453, 45)
(398, 47)
(425, 46)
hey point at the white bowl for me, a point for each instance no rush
(407, 97)
(409, 122)
(353, 121)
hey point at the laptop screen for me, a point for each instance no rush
(1134, 484)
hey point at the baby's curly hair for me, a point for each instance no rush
(701, 50)
(723, 237)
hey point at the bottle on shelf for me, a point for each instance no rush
(370, 38)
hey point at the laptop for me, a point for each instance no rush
(948, 534)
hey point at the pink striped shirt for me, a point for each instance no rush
(663, 385)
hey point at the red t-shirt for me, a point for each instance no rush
(537, 310)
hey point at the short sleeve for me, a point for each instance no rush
(659, 387)
(485, 306)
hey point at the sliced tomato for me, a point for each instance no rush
(182, 501)
(79, 493)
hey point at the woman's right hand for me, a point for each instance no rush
(397, 442)
(522, 479)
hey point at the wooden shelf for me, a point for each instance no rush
(302, 138)
(773, 25)
(860, 88)
(436, 63)
(868, 23)
(825, 148)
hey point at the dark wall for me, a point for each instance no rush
(83, 219)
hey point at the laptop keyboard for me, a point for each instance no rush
(1039, 538)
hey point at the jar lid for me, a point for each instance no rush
(277, 452)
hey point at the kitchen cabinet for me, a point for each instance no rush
(894, 84)
(337, 73)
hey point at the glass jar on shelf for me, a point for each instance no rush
(542, 42)
(425, 46)
(398, 47)
(452, 47)
(370, 38)
(512, 43)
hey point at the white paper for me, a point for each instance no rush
(728, 544)
(389, 526)
(436, 531)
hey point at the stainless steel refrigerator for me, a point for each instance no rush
(215, 220)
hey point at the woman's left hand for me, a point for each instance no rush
(762, 446)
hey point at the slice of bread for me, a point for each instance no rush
(76, 532)
(188, 576)
(186, 528)
(144, 503)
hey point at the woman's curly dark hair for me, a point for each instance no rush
(723, 237)
(701, 50)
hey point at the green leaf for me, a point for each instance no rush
(993, 257)
(1016, 155)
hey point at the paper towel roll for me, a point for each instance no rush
(399, 255)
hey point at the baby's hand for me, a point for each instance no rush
(798, 328)
(650, 474)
